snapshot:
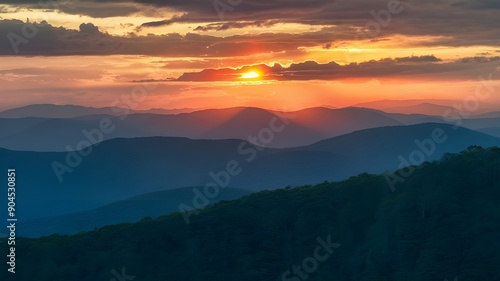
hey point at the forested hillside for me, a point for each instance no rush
(442, 221)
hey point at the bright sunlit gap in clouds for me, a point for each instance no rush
(250, 75)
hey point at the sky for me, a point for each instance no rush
(276, 54)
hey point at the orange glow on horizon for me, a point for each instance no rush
(250, 75)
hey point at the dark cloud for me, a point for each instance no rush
(450, 22)
(478, 4)
(96, 9)
(45, 39)
(456, 23)
(235, 25)
(480, 59)
(161, 23)
(414, 67)
(417, 59)
(89, 28)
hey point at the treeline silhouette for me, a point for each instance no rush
(442, 221)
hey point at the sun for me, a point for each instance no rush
(250, 75)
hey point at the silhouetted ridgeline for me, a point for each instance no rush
(130, 210)
(441, 222)
(121, 168)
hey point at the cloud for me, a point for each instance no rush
(54, 73)
(478, 4)
(151, 80)
(344, 20)
(95, 9)
(480, 59)
(49, 40)
(405, 67)
(161, 23)
(88, 28)
(235, 25)
(417, 59)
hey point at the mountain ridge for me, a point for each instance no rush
(121, 168)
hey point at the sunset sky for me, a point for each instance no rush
(281, 54)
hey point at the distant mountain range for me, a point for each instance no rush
(121, 168)
(493, 131)
(130, 210)
(422, 108)
(493, 114)
(296, 128)
(429, 107)
(73, 111)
